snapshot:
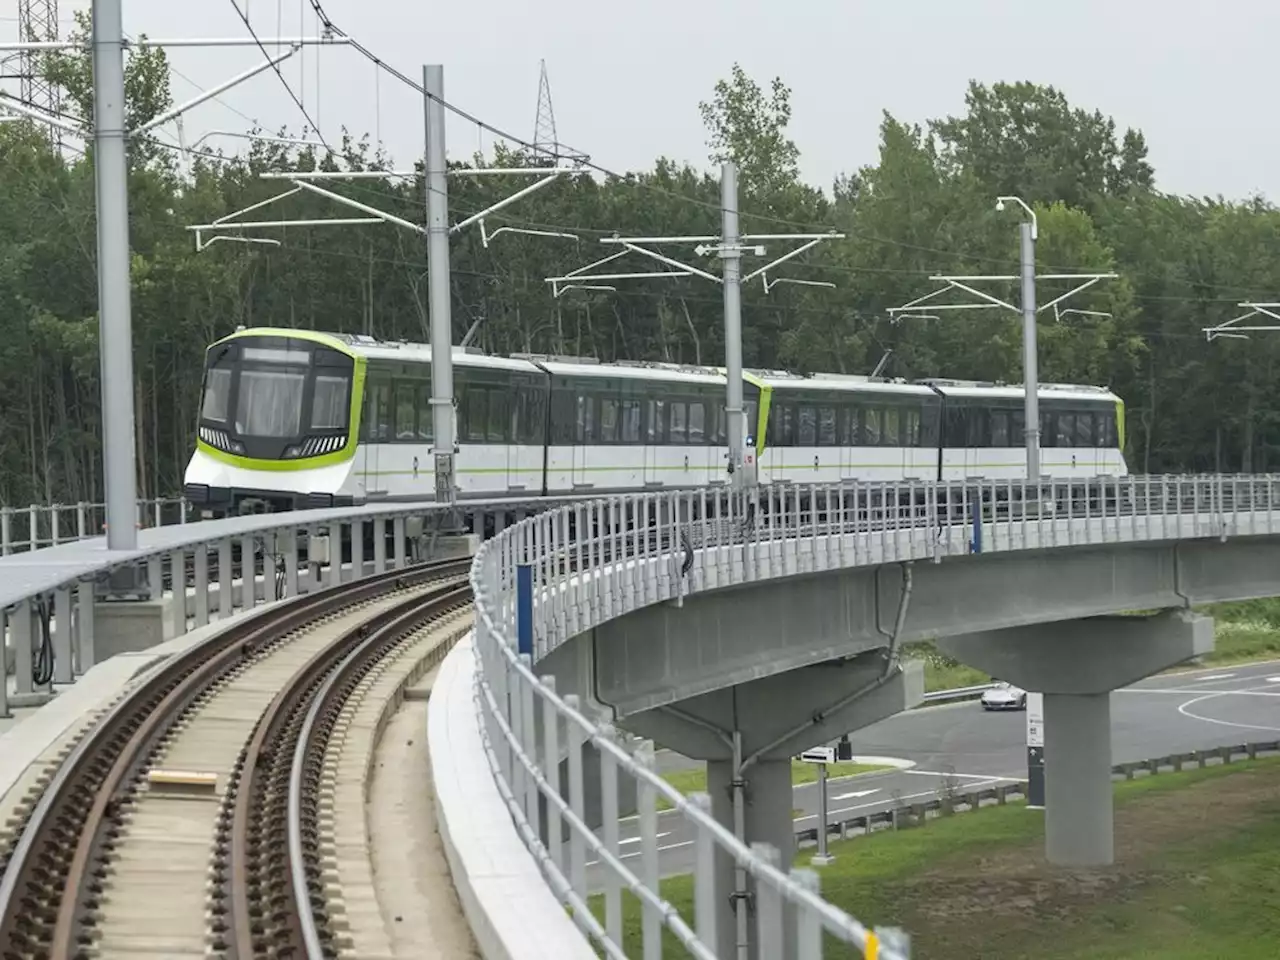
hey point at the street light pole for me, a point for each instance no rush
(1030, 372)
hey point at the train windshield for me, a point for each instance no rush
(275, 391)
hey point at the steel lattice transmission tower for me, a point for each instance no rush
(544, 128)
(38, 20)
(547, 146)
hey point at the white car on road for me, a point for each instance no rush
(1004, 696)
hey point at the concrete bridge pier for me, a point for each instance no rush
(748, 733)
(1076, 664)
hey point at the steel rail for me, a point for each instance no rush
(48, 880)
(333, 691)
(243, 888)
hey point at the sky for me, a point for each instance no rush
(626, 80)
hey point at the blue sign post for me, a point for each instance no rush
(524, 608)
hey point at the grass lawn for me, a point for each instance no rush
(694, 779)
(1197, 877)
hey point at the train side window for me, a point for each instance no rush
(426, 421)
(499, 413)
(698, 423)
(531, 414)
(720, 430)
(1048, 429)
(892, 421)
(872, 426)
(630, 421)
(807, 435)
(679, 414)
(1017, 435)
(656, 423)
(608, 420)
(853, 431)
(929, 426)
(586, 419)
(377, 421)
(977, 432)
(1107, 430)
(827, 426)
(406, 412)
(1084, 430)
(911, 428)
(1066, 430)
(474, 413)
(999, 428)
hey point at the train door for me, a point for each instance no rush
(655, 437)
(518, 414)
(375, 431)
(584, 436)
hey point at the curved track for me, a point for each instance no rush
(115, 857)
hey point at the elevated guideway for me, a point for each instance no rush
(734, 628)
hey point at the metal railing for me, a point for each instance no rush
(590, 561)
(586, 563)
(37, 526)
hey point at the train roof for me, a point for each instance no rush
(411, 352)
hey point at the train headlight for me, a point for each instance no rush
(292, 451)
(237, 447)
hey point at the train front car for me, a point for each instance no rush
(278, 422)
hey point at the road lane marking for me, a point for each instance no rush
(962, 776)
(1183, 709)
(855, 794)
(632, 856)
(1211, 693)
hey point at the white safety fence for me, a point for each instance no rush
(34, 527)
(590, 562)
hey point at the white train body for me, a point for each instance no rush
(295, 418)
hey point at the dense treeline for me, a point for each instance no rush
(926, 206)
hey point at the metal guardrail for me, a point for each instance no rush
(23, 529)
(956, 801)
(587, 563)
(959, 693)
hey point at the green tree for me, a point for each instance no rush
(749, 127)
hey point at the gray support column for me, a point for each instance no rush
(768, 820)
(63, 647)
(248, 572)
(177, 593)
(84, 624)
(731, 255)
(720, 788)
(379, 545)
(1078, 798)
(357, 549)
(4, 670)
(226, 595)
(23, 662)
(290, 550)
(397, 526)
(202, 584)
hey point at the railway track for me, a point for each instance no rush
(216, 809)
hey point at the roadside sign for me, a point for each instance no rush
(819, 755)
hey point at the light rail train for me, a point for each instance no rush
(292, 419)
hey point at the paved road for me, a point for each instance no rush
(1162, 715)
